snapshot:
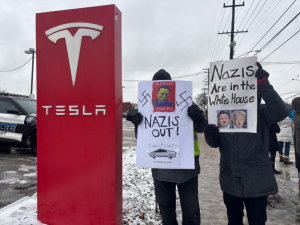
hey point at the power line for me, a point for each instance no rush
(259, 25)
(273, 25)
(284, 76)
(291, 96)
(281, 45)
(16, 68)
(286, 62)
(214, 45)
(179, 77)
(252, 20)
(246, 14)
(276, 35)
(211, 33)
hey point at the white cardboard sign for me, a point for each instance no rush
(232, 100)
(165, 135)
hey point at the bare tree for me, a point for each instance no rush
(2, 90)
(201, 99)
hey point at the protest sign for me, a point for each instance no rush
(232, 100)
(165, 135)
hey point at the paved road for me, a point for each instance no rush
(17, 175)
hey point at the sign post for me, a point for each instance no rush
(79, 89)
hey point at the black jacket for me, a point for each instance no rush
(273, 143)
(245, 167)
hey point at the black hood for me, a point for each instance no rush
(162, 75)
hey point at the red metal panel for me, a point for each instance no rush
(80, 156)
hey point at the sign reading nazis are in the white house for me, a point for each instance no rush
(232, 100)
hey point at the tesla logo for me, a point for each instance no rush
(74, 110)
(74, 43)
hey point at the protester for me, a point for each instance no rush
(285, 137)
(165, 180)
(246, 174)
(273, 144)
(296, 107)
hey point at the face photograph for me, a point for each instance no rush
(239, 119)
(224, 119)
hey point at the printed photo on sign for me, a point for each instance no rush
(232, 117)
(163, 153)
(163, 96)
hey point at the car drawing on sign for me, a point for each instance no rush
(162, 153)
(17, 121)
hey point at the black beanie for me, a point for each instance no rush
(162, 75)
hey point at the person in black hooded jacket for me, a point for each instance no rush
(246, 174)
(186, 180)
(273, 144)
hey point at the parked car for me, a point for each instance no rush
(162, 153)
(18, 121)
(124, 115)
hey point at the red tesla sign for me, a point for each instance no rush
(79, 89)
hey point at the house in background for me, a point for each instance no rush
(129, 105)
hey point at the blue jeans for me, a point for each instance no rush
(188, 194)
(286, 148)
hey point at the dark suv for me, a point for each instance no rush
(17, 121)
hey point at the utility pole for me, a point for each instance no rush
(206, 83)
(232, 42)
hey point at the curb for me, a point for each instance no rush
(11, 207)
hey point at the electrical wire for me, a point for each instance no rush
(16, 68)
(276, 35)
(211, 33)
(246, 14)
(291, 96)
(179, 77)
(280, 45)
(244, 34)
(214, 45)
(259, 25)
(286, 62)
(273, 25)
(285, 75)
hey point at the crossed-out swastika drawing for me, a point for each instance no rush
(145, 97)
(184, 100)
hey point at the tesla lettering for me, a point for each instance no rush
(74, 111)
(74, 43)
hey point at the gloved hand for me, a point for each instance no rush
(261, 74)
(210, 130)
(137, 119)
(195, 113)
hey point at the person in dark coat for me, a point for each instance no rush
(246, 174)
(296, 107)
(186, 180)
(273, 144)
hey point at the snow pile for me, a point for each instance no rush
(22, 212)
(138, 198)
(138, 192)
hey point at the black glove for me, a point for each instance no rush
(211, 130)
(137, 119)
(195, 113)
(261, 74)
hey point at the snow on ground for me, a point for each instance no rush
(22, 212)
(138, 198)
(138, 192)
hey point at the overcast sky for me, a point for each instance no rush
(178, 36)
